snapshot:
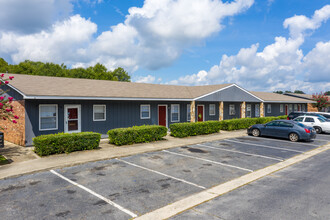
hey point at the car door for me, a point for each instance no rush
(309, 121)
(271, 129)
(284, 129)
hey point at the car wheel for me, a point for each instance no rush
(293, 137)
(318, 130)
(256, 132)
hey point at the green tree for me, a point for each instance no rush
(278, 92)
(121, 75)
(298, 92)
(327, 93)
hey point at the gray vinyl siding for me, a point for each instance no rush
(207, 116)
(11, 93)
(118, 114)
(226, 110)
(231, 94)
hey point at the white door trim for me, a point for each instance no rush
(66, 118)
(203, 112)
(166, 114)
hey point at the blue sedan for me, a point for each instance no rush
(292, 130)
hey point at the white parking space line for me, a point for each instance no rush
(265, 146)
(318, 139)
(163, 174)
(239, 152)
(95, 194)
(288, 142)
(210, 161)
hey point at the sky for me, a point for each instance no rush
(261, 45)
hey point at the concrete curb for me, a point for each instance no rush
(209, 194)
(107, 151)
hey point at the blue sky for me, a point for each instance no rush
(260, 45)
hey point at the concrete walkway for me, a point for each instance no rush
(30, 162)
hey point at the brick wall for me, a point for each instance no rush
(15, 133)
(310, 108)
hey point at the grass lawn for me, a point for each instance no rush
(3, 160)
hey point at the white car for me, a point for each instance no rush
(319, 124)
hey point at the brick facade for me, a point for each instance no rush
(15, 133)
(310, 108)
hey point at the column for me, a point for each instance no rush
(262, 110)
(192, 112)
(220, 111)
(243, 109)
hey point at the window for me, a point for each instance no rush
(269, 108)
(99, 112)
(257, 110)
(188, 113)
(290, 108)
(232, 110)
(295, 107)
(175, 113)
(308, 119)
(212, 109)
(248, 110)
(300, 119)
(48, 117)
(272, 123)
(145, 111)
(303, 108)
(299, 107)
(281, 108)
(285, 124)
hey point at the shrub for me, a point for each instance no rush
(136, 134)
(243, 123)
(65, 143)
(192, 129)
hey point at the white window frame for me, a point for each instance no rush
(105, 113)
(250, 106)
(269, 108)
(257, 110)
(48, 129)
(281, 108)
(303, 107)
(210, 109)
(188, 112)
(232, 105)
(172, 105)
(141, 112)
(290, 108)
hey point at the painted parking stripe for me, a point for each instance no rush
(265, 146)
(285, 141)
(240, 152)
(210, 161)
(95, 194)
(163, 174)
(317, 139)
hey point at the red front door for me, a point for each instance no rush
(162, 115)
(200, 113)
(286, 109)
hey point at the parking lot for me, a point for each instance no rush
(131, 186)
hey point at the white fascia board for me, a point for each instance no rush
(17, 90)
(102, 98)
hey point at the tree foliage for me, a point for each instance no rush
(321, 101)
(98, 71)
(327, 93)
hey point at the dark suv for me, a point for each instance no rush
(294, 115)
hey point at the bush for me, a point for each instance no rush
(243, 123)
(192, 129)
(136, 134)
(65, 143)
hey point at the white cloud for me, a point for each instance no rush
(147, 79)
(63, 42)
(152, 36)
(279, 66)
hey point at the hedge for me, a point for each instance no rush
(243, 123)
(192, 129)
(136, 134)
(65, 143)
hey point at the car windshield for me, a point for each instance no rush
(321, 119)
(298, 119)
